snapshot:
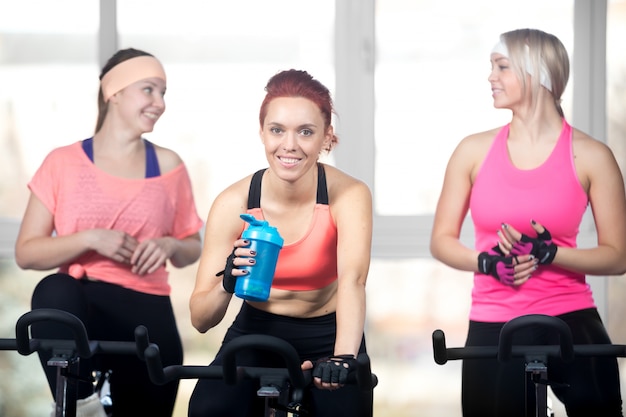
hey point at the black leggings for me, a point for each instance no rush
(313, 338)
(492, 388)
(112, 313)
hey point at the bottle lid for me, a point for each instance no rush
(260, 230)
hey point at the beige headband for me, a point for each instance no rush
(132, 70)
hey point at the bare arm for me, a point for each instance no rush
(606, 197)
(453, 205)
(37, 248)
(187, 250)
(209, 301)
(352, 211)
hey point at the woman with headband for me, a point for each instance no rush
(108, 213)
(527, 185)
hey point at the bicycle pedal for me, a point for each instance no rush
(268, 391)
(58, 362)
(536, 367)
(61, 361)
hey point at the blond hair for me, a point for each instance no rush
(538, 51)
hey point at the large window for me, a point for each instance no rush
(410, 81)
(431, 90)
(616, 133)
(48, 87)
(432, 64)
(219, 55)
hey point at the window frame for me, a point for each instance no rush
(408, 236)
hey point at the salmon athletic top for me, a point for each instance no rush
(80, 196)
(311, 262)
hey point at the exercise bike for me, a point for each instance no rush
(281, 388)
(535, 356)
(66, 354)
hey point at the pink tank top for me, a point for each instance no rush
(552, 195)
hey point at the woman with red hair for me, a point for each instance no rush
(317, 299)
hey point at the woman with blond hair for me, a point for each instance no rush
(527, 185)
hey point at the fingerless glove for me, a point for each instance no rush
(334, 369)
(541, 247)
(498, 266)
(229, 280)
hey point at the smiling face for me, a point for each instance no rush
(294, 134)
(506, 89)
(141, 104)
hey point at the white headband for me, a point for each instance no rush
(544, 78)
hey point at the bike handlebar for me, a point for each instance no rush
(149, 352)
(231, 373)
(26, 346)
(505, 349)
(80, 344)
(264, 342)
(518, 323)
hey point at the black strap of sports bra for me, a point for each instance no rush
(322, 189)
(254, 194)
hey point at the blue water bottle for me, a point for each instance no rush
(265, 240)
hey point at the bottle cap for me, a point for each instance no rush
(260, 230)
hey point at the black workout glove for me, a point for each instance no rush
(229, 280)
(498, 266)
(541, 247)
(334, 369)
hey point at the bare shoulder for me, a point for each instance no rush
(591, 154)
(478, 142)
(223, 220)
(594, 160)
(234, 197)
(349, 198)
(168, 159)
(471, 151)
(587, 147)
(341, 184)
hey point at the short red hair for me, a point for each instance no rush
(299, 83)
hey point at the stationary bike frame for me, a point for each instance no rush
(66, 354)
(535, 356)
(282, 388)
